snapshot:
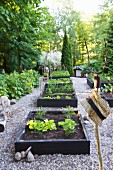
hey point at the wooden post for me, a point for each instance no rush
(87, 53)
(97, 85)
(98, 146)
(40, 84)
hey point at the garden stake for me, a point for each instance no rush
(98, 146)
(98, 109)
(96, 86)
(40, 84)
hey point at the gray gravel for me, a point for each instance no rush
(16, 116)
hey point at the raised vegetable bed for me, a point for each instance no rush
(58, 77)
(47, 99)
(59, 74)
(51, 142)
(57, 102)
(106, 83)
(59, 81)
(90, 83)
(109, 98)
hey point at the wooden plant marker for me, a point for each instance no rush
(98, 109)
(95, 109)
(40, 84)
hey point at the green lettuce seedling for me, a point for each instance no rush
(68, 126)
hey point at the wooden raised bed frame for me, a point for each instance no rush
(109, 100)
(57, 102)
(53, 146)
(91, 84)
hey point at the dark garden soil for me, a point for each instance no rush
(54, 134)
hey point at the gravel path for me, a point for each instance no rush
(16, 116)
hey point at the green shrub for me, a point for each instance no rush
(3, 84)
(16, 85)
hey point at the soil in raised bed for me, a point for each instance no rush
(54, 134)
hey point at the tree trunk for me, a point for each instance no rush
(19, 57)
(19, 61)
(4, 58)
(4, 63)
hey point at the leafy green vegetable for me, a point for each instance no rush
(41, 113)
(41, 126)
(69, 112)
(68, 126)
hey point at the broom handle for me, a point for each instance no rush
(98, 146)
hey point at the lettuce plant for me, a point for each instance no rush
(41, 126)
(41, 113)
(68, 126)
(107, 88)
(69, 112)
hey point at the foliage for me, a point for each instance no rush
(41, 113)
(48, 90)
(59, 88)
(106, 77)
(100, 25)
(67, 18)
(107, 88)
(109, 67)
(69, 112)
(24, 28)
(58, 96)
(27, 30)
(83, 30)
(3, 84)
(99, 30)
(57, 91)
(103, 77)
(59, 81)
(51, 59)
(60, 73)
(67, 97)
(66, 58)
(107, 5)
(96, 65)
(46, 97)
(16, 85)
(68, 126)
(41, 126)
(91, 77)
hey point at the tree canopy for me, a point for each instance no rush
(28, 29)
(24, 29)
